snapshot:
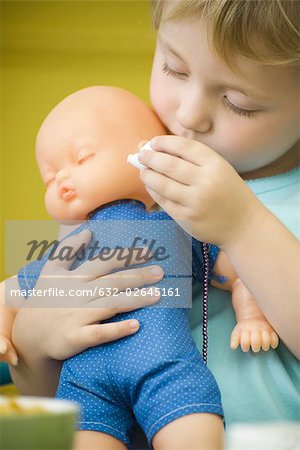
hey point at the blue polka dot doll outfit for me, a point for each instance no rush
(156, 375)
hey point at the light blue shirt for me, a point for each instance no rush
(263, 386)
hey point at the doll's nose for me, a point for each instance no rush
(62, 175)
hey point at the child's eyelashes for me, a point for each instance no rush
(237, 110)
(168, 71)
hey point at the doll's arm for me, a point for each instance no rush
(252, 329)
(7, 317)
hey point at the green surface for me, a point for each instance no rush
(40, 432)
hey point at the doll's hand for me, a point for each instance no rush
(256, 334)
(193, 183)
(8, 353)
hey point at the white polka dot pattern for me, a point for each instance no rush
(157, 375)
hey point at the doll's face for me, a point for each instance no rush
(81, 152)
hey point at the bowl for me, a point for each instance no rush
(37, 423)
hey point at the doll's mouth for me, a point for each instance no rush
(66, 193)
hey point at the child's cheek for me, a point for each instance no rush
(155, 92)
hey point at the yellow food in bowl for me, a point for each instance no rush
(12, 407)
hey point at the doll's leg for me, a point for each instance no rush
(252, 329)
(192, 432)
(94, 440)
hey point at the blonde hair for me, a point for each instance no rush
(265, 31)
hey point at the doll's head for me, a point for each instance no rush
(82, 147)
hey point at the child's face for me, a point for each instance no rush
(251, 118)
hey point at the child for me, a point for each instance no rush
(226, 74)
(224, 77)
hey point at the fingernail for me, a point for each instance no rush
(134, 324)
(146, 147)
(14, 361)
(3, 348)
(152, 143)
(157, 271)
(155, 296)
(141, 155)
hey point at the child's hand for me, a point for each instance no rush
(8, 353)
(256, 334)
(193, 183)
(77, 320)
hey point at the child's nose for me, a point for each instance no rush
(62, 175)
(195, 116)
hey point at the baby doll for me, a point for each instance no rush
(81, 150)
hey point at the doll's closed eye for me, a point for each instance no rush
(83, 158)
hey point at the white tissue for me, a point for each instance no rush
(133, 157)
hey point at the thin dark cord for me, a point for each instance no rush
(205, 253)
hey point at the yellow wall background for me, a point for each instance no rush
(48, 50)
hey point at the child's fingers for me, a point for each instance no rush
(95, 269)
(255, 341)
(235, 340)
(75, 242)
(274, 340)
(175, 210)
(186, 149)
(170, 165)
(245, 341)
(92, 335)
(170, 189)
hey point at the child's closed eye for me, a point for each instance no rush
(238, 110)
(168, 71)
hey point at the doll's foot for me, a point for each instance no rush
(8, 353)
(256, 334)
